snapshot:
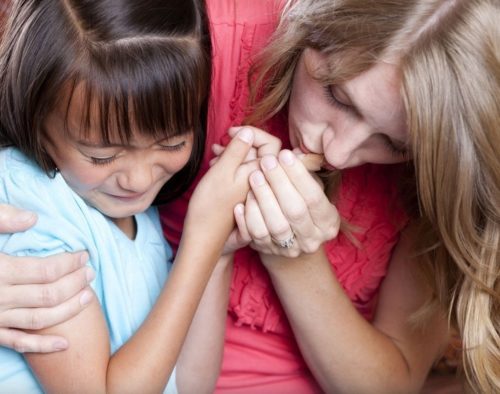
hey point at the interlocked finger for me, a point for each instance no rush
(323, 214)
(255, 224)
(289, 198)
(276, 222)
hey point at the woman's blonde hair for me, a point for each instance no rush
(449, 52)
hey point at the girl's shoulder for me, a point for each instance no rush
(14, 162)
(25, 184)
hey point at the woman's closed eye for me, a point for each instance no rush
(333, 99)
(396, 150)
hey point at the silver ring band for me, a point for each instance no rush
(286, 243)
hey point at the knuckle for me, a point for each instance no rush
(259, 236)
(332, 232)
(35, 321)
(283, 229)
(276, 141)
(311, 247)
(47, 272)
(296, 214)
(47, 296)
(314, 200)
(20, 345)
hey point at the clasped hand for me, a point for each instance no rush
(286, 204)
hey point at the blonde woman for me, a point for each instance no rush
(386, 82)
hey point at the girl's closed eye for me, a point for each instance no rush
(173, 147)
(100, 161)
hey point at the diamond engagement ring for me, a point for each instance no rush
(286, 243)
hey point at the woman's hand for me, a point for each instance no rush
(38, 293)
(287, 212)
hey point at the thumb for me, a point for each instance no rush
(237, 150)
(14, 220)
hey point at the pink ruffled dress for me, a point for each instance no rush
(261, 355)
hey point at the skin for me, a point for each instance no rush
(39, 292)
(202, 242)
(357, 122)
(120, 180)
(360, 121)
(358, 131)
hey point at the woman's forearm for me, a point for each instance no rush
(345, 352)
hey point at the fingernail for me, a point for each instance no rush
(85, 298)
(84, 257)
(60, 345)
(90, 274)
(287, 157)
(269, 162)
(24, 217)
(246, 135)
(239, 209)
(257, 178)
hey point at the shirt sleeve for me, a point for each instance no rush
(62, 224)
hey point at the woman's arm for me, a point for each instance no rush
(146, 361)
(345, 352)
(38, 293)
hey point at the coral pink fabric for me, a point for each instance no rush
(261, 355)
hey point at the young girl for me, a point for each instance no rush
(103, 105)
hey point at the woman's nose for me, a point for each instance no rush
(341, 148)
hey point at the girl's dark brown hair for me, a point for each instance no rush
(143, 65)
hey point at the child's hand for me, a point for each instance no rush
(263, 144)
(210, 213)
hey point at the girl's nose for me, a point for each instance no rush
(138, 178)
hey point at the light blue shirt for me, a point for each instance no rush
(129, 274)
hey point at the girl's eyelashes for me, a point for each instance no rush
(175, 147)
(332, 99)
(101, 161)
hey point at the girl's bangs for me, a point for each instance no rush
(154, 90)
